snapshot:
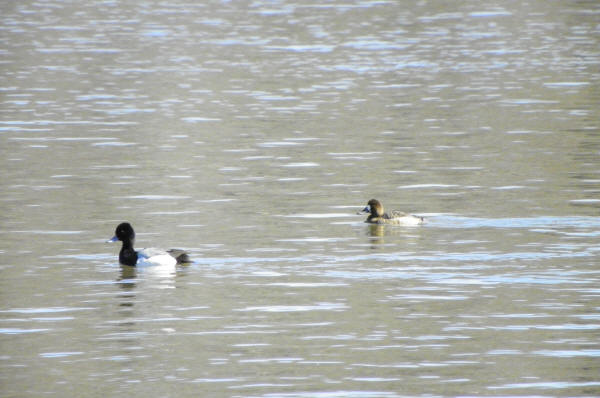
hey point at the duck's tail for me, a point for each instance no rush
(181, 256)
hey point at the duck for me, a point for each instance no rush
(395, 217)
(149, 256)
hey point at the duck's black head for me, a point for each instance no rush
(124, 233)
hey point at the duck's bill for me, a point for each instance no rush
(113, 239)
(365, 210)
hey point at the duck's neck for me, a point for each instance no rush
(372, 218)
(128, 255)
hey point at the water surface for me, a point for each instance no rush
(251, 134)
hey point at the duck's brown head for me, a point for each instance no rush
(374, 207)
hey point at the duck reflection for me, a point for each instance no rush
(127, 282)
(128, 275)
(376, 231)
(379, 235)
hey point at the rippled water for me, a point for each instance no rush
(250, 133)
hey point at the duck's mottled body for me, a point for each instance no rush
(394, 217)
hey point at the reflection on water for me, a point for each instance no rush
(250, 134)
(128, 275)
(378, 231)
(390, 235)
